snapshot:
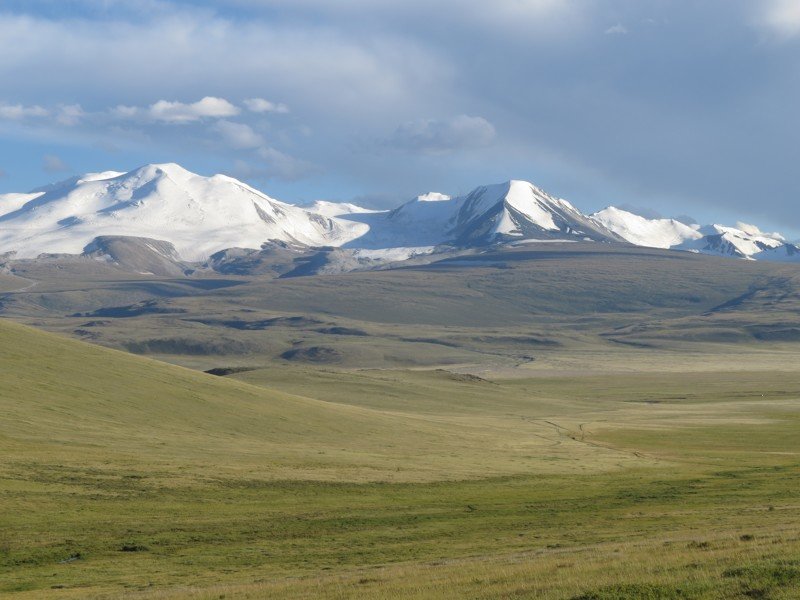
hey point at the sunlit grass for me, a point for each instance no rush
(121, 476)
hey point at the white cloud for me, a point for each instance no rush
(618, 29)
(259, 105)
(440, 136)
(178, 112)
(54, 164)
(17, 112)
(238, 135)
(782, 17)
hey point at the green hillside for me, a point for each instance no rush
(76, 404)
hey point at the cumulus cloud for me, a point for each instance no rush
(167, 111)
(178, 112)
(162, 111)
(174, 112)
(441, 136)
(260, 105)
(17, 112)
(782, 17)
(238, 135)
(54, 164)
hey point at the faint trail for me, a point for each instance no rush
(22, 289)
(669, 459)
(554, 442)
(564, 431)
(9, 293)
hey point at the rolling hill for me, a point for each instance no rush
(76, 404)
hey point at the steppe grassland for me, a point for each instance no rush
(138, 478)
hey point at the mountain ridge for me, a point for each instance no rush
(200, 217)
(742, 241)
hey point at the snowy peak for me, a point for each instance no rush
(198, 215)
(732, 241)
(742, 241)
(519, 209)
(497, 213)
(641, 231)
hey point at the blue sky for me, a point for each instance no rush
(684, 107)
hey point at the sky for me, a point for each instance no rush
(679, 106)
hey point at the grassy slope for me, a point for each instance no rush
(156, 481)
(85, 405)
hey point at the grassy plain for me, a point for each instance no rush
(137, 479)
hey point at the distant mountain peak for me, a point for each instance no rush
(200, 216)
(742, 241)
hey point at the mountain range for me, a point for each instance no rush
(182, 216)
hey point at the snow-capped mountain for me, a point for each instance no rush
(159, 217)
(509, 211)
(641, 231)
(742, 241)
(519, 209)
(198, 215)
